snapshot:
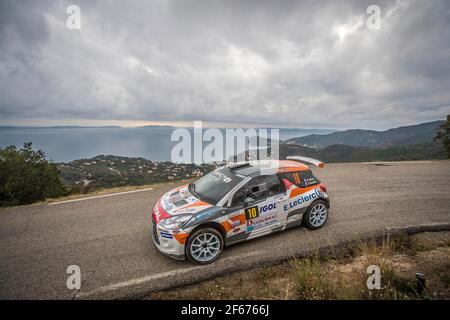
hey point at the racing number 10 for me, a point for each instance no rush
(251, 213)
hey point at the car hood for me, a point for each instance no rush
(178, 201)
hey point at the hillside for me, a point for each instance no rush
(408, 135)
(344, 153)
(114, 171)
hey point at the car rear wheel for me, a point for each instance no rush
(316, 215)
(204, 246)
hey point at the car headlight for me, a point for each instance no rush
(176, 222)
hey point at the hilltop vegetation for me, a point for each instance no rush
(443, 135)
(114, 171)
(408, 135)
(416, 142)
(345, 153)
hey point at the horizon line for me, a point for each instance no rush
(89, 123)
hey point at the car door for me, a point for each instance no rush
(261, 200)
(300, 194)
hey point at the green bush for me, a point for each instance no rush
(26, 176)
(443, 135)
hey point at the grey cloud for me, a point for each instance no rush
(298, 63)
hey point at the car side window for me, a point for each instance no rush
(257, 189)
(308, 179)
(301, 179)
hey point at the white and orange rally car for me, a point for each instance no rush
(238, 202)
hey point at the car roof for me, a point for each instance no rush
(254, 168)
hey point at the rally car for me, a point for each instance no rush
(238, 202)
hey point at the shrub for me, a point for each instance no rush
(443, 135)
(26, 176)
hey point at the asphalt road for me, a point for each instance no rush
(109, 237)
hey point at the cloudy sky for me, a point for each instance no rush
(278, 63)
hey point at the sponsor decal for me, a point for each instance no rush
(185, 193)
(188, 210)
(166, 235)
(235, 223)
(268, 207)
(318, 193)
(159, 213)
(204, 214)
(166, 204)
(156, 213)
(251, 213)
(254, 212)
(221, 176)
(261, 222)
(178, 198)
(309, 181)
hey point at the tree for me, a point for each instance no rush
(443, 134)
(26, 176)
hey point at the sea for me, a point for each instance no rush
(64, 144)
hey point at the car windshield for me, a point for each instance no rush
(215, 185)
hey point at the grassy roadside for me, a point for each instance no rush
(340, 275)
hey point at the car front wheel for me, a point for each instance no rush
(316, 216)
(204, 246)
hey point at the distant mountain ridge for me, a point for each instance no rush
(60, 127)
(406, 135)
(157, 126)
(343, 153)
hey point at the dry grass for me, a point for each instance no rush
(318, 278)
(341, 275)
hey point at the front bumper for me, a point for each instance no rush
(167, 244)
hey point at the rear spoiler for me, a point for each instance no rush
(315, 162)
